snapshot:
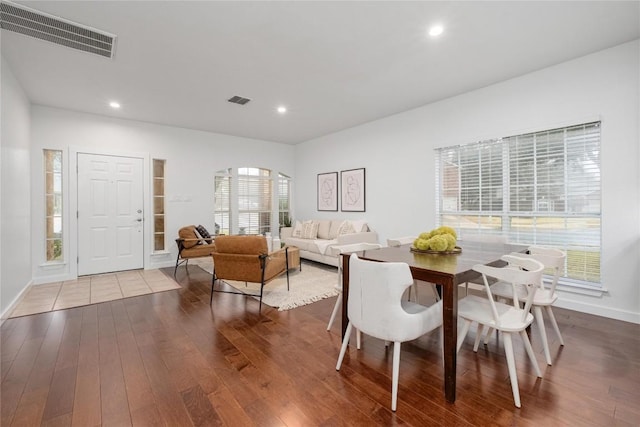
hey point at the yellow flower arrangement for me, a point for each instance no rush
(440, 239)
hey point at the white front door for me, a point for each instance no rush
(110, 217)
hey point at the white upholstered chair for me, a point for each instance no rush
(553, 259)
(356, 247)
(376, 309)
(508, 319)
(399, 241)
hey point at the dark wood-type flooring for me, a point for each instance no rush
(171, 359)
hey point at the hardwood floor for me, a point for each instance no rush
(171, 359)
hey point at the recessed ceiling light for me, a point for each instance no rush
(114, 105)
(282, 110)
(436, 30)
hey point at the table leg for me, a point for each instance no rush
(450, 334)
(345, 292)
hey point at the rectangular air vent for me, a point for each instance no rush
(40, 25)
(238, 100)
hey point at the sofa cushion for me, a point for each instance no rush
(333, 230)
(322, 246)
(303, 244)
(309, 230)
(324, 225)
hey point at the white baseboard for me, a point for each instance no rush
(15, 302)
(563, 302)
(598, 310)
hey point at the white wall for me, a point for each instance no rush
(398, 154)
(15, 209)
(192, 157)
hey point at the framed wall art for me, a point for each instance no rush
(328, 191)
(353, 190)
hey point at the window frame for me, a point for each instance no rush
(254, 187)
(159, 207)
(53, 206)
(500, 221)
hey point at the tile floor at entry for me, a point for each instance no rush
(91, 290)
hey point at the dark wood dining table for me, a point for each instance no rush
(446, 270)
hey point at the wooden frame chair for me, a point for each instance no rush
(247, 259)
(191, 245)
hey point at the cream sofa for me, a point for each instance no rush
(319, 240)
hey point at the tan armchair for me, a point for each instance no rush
(246, 259)
(192, 245)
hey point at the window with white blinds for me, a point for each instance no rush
(539, 188)
(284, 200)
(222, 201)
(254, 200)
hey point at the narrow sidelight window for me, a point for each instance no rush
(53, 204)
(158, 204)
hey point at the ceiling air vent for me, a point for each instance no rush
(30, 22)
(238, 100)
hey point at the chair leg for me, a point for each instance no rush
(487, 336)
(511, 363)
(435, 292)
(463, 333)
(537, 311)
(358, 339)
(478, 337)
(261, 290)
(396, 372)
(345, 344)
(415, 291)
(213, 283)
(532, 356)
(336, 308)
(554, 323)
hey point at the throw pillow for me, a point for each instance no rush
(297, 229)
(198, 236)
(359, 226)
(333, 230)
(204, 233)
(323, 229)
(346, 228)
(309, 230)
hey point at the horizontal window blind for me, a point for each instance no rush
(254, 200)
(538, 188)
(222, 201)
(284, 200)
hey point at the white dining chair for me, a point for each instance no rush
(553, 259)
(399, 241)
(479, 237)
(376, 308)
(508, 319)
(355, 247)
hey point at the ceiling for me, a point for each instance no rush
(334, 65)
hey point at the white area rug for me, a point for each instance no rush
(314, 283)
